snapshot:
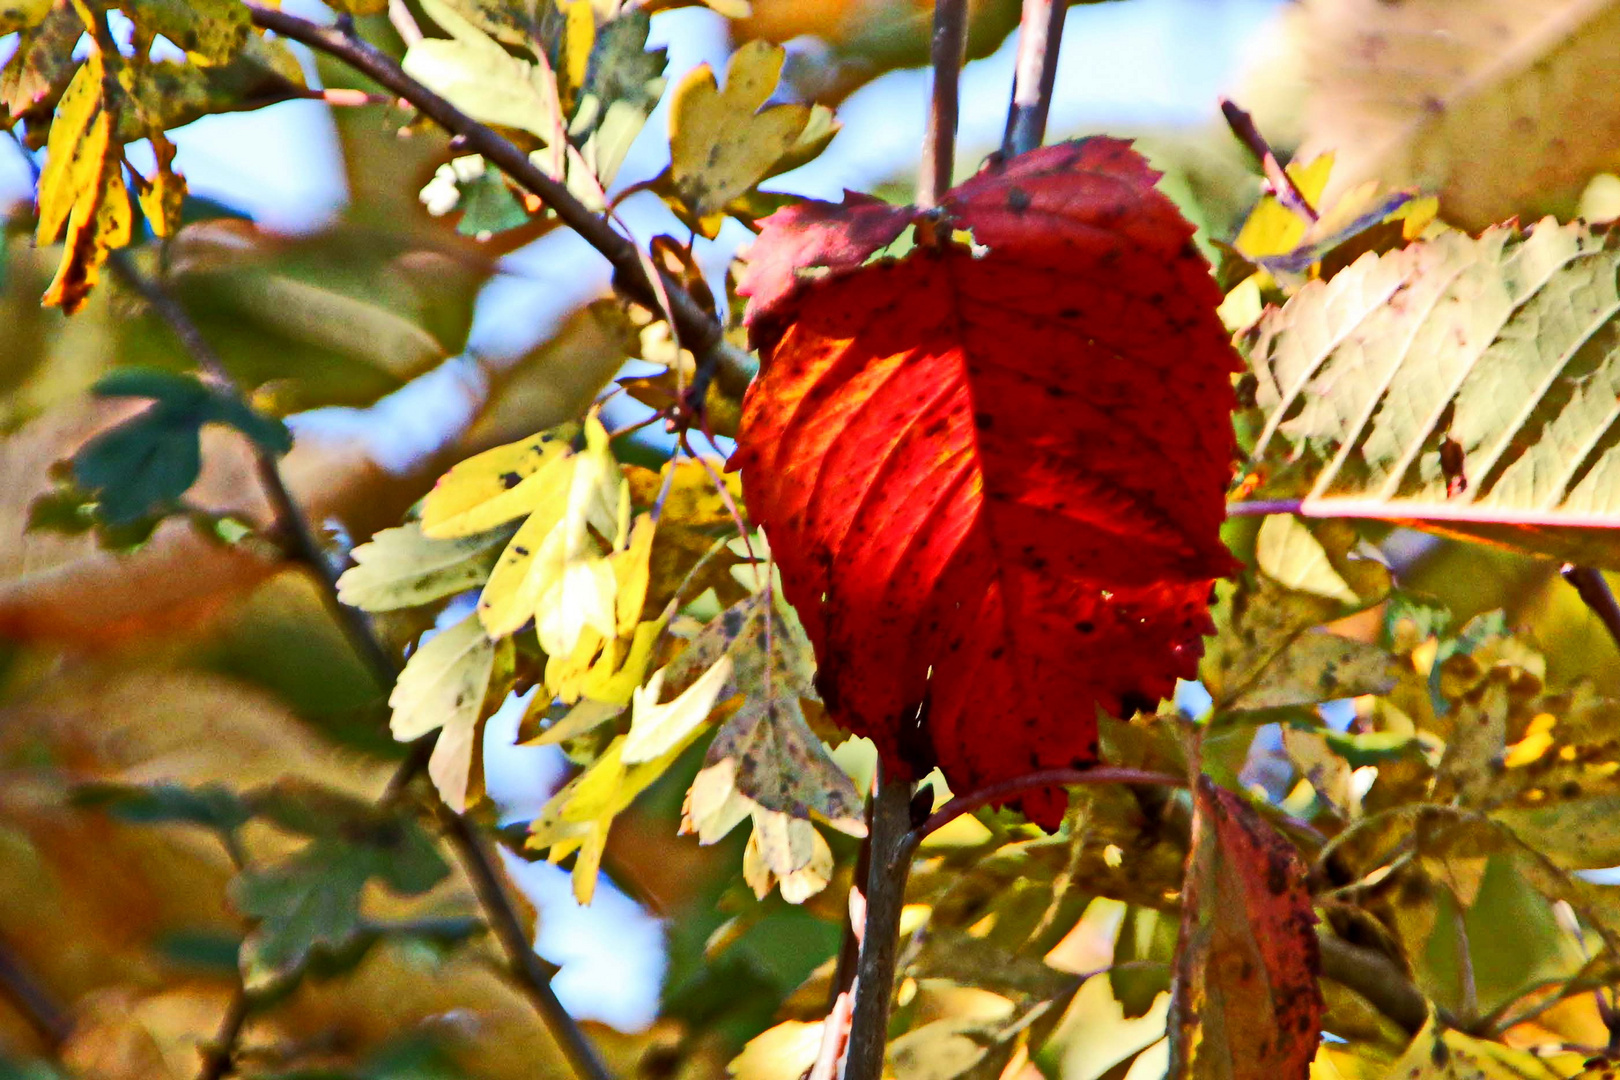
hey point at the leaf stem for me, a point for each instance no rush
(1260, 508)
(526, 965)
(1594, 589)
(939, 138)
(31, 1000)
(698, 331)
(885, 893)
(1102, 774)
(1040, 33)
(1282, 185)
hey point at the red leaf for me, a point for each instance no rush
(1246, 1005)
(994, 481)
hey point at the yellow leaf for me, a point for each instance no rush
(713, 805)
(1272, 228)
(720, 146)
(101, 222)
(443, 686)
(786, 850)
(496, 486)
(164, 197)
(579, 35)
(614, 682)
(566, 673)
(785, 1052)
(76, 155)
(580, 595)
(632, 568)
(654, 728)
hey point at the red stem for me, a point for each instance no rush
(1040, 32)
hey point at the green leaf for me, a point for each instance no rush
(623, 82)
(142, 466)
(781, 765)
(401, 568)
(1142, 955)
(1439, 1053)
(1460, 385)
(169, 94)
(211, 806)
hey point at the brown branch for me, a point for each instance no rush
(219, 1056)
(1599, 597)
(1102, 774)
(33, 1002)
(1282, 185)
(698, 330)
(526, 966)
(885, 895)
(939, 138)
(1040, 33)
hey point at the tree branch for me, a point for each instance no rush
(1102, 774)
(219, 1056)
(532, 973)
(698, 330)
(939, 138)
(31, 1000)
(1599, 597)
(885, 895)
(299, 541)
(1040, 33)
(526, 966)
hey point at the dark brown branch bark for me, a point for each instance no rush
(1242, 125)
(939, 138)
(526, 966)
(31, 1000)
(1040, 33)
(531, 972)
(885, 894)
(1599, 597)
(1102, 774)
(698, 331)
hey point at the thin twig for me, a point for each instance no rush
(530, 970)
(699, 331)
(1599, 597)
(885, 895)
(1040, 32)
(526, 966)
(219, 1056)
(299, 540)
(1261, 507)
(1102, 774)
(31, 1000)
(939, 139)
(1282, 185)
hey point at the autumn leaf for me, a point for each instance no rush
(1014, 522)
(1246, 1004)
(1488, 108)
(401, 567)
(1460, 385)
(723, 142)
(443, 687)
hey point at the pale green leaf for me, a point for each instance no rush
(443, 686)
(402, 568)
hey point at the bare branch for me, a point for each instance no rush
(219, 1056)
(939, 139)
(885, 895)
(1040, 33)
(698, 331)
